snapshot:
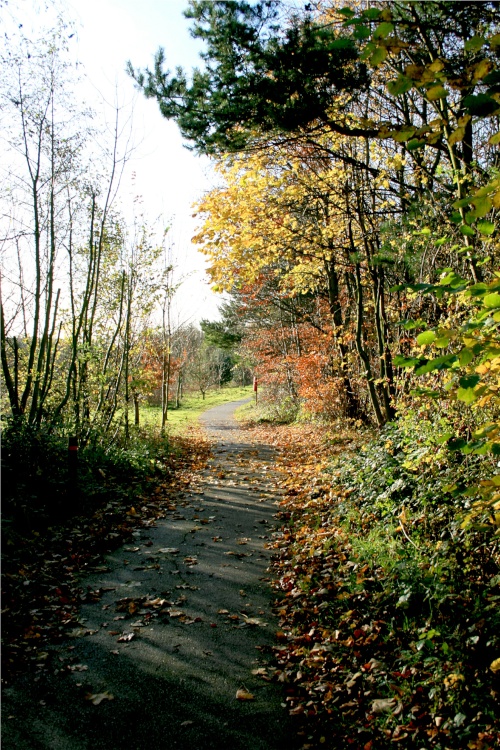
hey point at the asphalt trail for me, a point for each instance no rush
(192, 593)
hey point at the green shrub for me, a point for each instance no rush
(37, 489)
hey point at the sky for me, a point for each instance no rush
(167, 176)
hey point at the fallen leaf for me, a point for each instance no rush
(244, 695)
(383, 704)
(175, 612)
(126, 637)
(495, 665)
(252, 621)
(96, 698)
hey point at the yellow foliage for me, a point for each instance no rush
(283, 212)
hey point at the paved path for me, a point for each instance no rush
(192, 594)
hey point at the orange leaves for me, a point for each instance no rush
(243, 695)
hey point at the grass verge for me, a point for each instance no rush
(193, 405)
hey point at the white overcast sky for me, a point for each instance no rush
(167, 176)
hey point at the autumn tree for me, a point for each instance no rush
(431, 69)
(410, 117)
(288, 213)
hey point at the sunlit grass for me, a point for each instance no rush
(192, 406)
(248, 411)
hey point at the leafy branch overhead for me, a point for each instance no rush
(255, 76)
(262, 74)
(358, 152)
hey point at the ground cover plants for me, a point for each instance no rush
(389, 609)
(43, 560)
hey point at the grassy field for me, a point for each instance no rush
(192, 406)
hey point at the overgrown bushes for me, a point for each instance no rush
(38, 489)
(390, 611)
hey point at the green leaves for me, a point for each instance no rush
(472, 369)
(378, 56)
(383, 30)
(482, 201)
(400, 361)
(439, 363)
(474, 43)
(480, 105)
(426, 338)
(466, 395)
(401, 85)
(486, 228)
(491, 300)
(436, 92)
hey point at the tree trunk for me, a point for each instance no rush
(137, 417)
(353, 407)
(362, 352)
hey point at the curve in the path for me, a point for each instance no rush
(174, 683)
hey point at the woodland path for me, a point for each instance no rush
(193, 594)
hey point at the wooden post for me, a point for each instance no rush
(255, 389)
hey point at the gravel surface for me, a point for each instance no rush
(182, 623)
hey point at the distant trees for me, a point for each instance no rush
(79, 284)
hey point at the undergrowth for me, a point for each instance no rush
(389, 607)
(39, 490)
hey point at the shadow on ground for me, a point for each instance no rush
(174, 683)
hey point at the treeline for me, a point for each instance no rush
(355, 225)
(88, 329)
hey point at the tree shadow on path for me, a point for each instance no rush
(173, 684)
